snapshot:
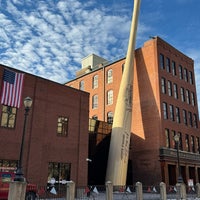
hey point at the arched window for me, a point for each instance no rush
(110, 117)
(95, 82)
(95, 101)
(110, 97)
(110, 76)
(81, 85)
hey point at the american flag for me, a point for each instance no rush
(12, 88)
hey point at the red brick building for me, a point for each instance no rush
(164, 104)
(56, 137)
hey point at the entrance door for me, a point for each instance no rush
(172, 174)
(183, 174)
(192, 174)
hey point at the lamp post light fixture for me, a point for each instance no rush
(177, 140)
(19, 176)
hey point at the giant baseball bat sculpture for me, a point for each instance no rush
(121, 129)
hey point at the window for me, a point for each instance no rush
(8, 116)
(182, 94)
(185, 72)
(187, 92)
(169, 84)
(190, 119)
(190, 78)
(168, 67)
(95, 82)
(175, 91)
(192, 98)
(59, 171)
(187, 145)
(180, 69)
(9, 165)
(110, 76)
(195, 121)
(192, 144)
(110, 97)
(171, 110)
(197, 144)
(163, 85)
(180, 141)
(173, 68)
(110, 117)
(185, 117)
(173, 134)
(162, 61)
(167, 138)
(81, 85)
(62, 126)
(95, 101)
(165, 113)
(177, 115)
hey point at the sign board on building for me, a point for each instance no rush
(190, 182)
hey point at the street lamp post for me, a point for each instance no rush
(176, 139)
(19, 176)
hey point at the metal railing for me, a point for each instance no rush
(132, 192)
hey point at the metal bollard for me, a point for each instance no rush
(163, 195)
(70, 195)
(109, 190)
(139, 193)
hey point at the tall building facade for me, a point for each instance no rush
(56, 134)
(164, 105)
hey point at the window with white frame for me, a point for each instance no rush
(185, 73)
(187, 92)
(163, 85)
(171, 111)
(95, 82)
(95, 101)
(192, 98)
(110, 97)
(162, 61)
(190, 78)
(175, 91)
(173, 68)
(165, 112)
(190, 118)
(185, 117)
(180, 69)
(182, 94)
(110, 117)
(110, 76)
(81, 85)
(177, 111)
(169, 84)
(195, 121)
(168, 66)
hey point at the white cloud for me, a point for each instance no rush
(54, 37)
(49, 38)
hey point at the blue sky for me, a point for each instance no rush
(49, 38)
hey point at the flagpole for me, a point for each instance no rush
(121, 129)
